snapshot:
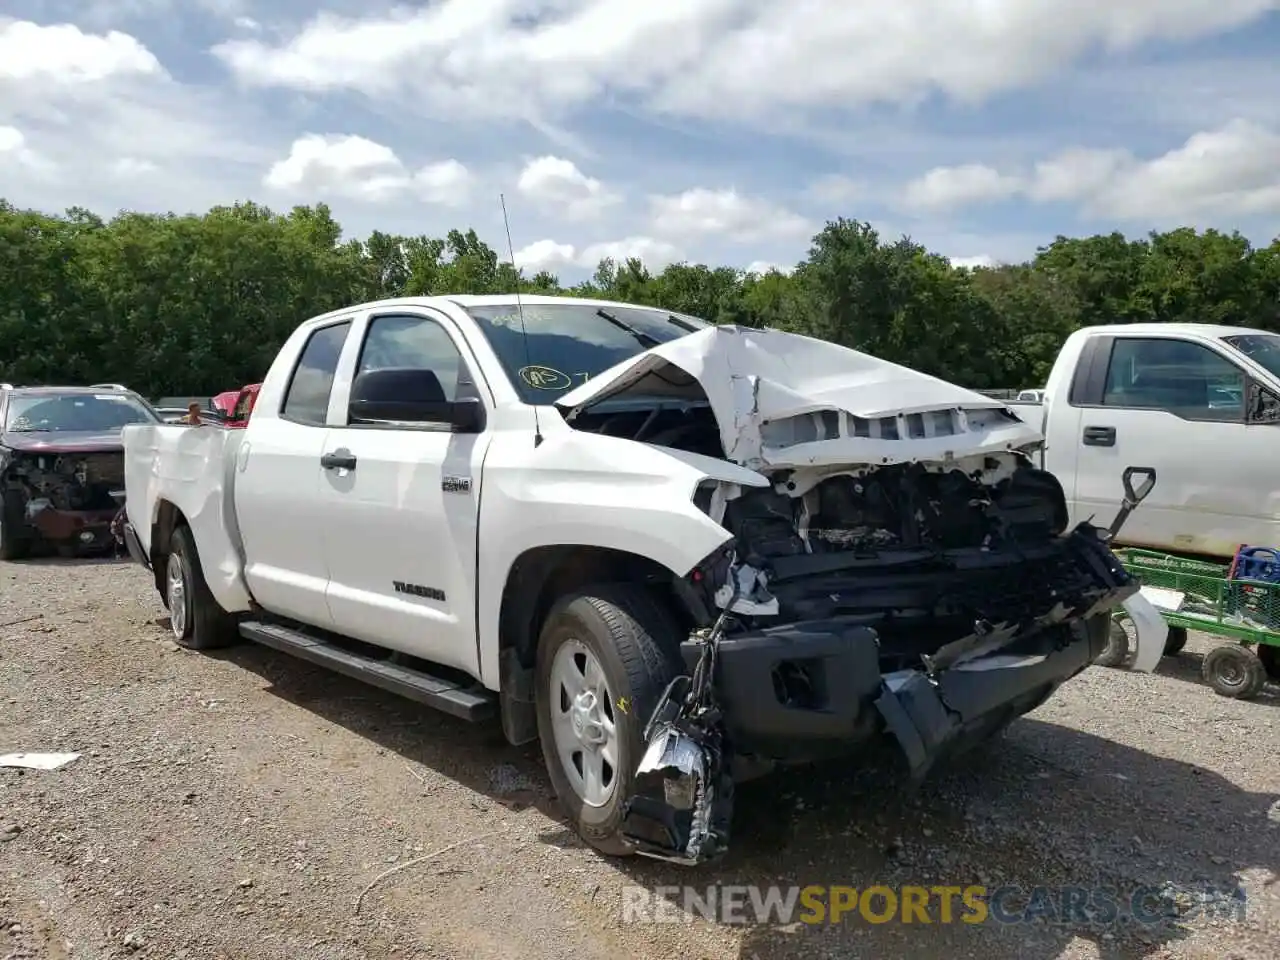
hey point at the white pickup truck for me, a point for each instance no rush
(675, 553)
(1199, 403)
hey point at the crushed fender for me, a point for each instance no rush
(682, 802)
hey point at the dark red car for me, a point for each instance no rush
(62, 465)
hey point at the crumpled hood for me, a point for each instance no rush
(786, 400)
(65, 441)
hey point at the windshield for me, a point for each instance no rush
(1262, 348)
(74, 412)
(570, 343)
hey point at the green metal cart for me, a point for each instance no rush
(1205, 596)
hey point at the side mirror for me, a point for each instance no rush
(410, 395)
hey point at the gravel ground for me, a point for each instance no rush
(238, 805)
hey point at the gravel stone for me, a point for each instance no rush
(239, 804)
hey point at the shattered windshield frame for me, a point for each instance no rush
(569, 343)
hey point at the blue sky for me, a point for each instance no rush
(720, 131)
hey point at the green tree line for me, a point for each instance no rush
(197, 304)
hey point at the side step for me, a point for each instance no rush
(443, 695)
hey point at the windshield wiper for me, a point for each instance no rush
(646, 339)
(682, 324)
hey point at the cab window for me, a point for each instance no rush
(1183, 378)
(307, 399)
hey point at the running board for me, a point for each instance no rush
(444, 695)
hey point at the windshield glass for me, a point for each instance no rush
(570, 343)
(1262, 348)
(74, 412)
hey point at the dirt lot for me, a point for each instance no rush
(237, 806)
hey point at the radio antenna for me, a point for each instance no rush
(524, 331)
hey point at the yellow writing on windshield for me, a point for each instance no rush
(544, 378)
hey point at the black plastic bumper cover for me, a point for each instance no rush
(848, 701)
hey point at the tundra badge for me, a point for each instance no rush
(417, 590)
(455, 484)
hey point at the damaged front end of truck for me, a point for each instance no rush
(907, 571)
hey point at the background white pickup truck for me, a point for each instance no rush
(1199, 403)
(662, 548)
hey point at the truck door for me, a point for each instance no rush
(1177, 405)
(277, 487)
(400, 522)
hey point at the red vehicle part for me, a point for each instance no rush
(236, 405)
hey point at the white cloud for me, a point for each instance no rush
(947, 188)
(546, 255)
(555, 184)
(132, 167)
(63, 54)
(11, 140)
(1076, 173)
(552, 255)
(1232, 171)
(93, 106)
(447, 183)
(652, 252)
(17, 157)
(968, 263)
(723, 59)
(357, 168)
(727, 213)
(761, 267)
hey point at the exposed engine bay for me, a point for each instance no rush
(69, 481)
(867, 598)
(62, 496)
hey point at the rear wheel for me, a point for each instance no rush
(605, 655)
(195, 618)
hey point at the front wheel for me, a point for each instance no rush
(605, 656)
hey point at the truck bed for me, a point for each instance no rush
(193, 469)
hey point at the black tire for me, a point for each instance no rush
(636, 642)
(15, 542)
(198, 623)
(1270, 657)
(1233, 670)
(1116, 652)
(1175, 641)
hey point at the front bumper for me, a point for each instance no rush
(808, 691)
(86, 530)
